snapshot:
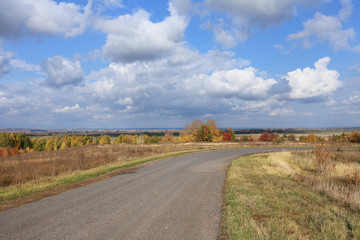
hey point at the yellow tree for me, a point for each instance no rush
(312, 138)
(211, 123)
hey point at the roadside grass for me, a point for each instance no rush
(24, 168)
(49, 183)
(35, 174)
(280, 196)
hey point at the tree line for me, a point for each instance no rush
(197, 131)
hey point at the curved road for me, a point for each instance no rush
(179, 198)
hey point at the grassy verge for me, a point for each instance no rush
(50, 183)
(266, 197)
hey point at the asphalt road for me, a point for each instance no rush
(179, 198)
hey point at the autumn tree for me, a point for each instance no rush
(264, 137)
(226, 137)
(291, 137)
(39, 144)
(204, 134)
(168, 138)
(200, 131)
(354, 137)
(104, 139)
(211, 123)
(232, 133)
(312, 138)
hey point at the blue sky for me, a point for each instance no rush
(162, 64)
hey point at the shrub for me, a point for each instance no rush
(353, 177)
(291, 137)
(312, 138)
(322, 158)
(245, 138)
(168, 138)
(264, 137)
(354, 137)
(226, 137)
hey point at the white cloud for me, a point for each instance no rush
(135, 37)
(165, 86)
(313, 82)
(42, 17)
(261, 12)
(5, 59)
(67, 109)
(327, 28)
(236, 83)
(21, 64)
(247, 14)
(355, 66)
(61, 71)
(357, 48)
(183, 7)
(228, 35)
(126, 101)
(282, 112)
(355, 99)
(112, 3)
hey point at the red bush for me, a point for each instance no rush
(264, 137)
(226, 137)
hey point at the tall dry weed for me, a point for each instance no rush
(323, 158)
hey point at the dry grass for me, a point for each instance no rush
(341, 181)
(20, 169)
(28, 174)
(283, 196)
(23, 168)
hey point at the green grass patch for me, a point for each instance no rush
(19, 191)
(268, 204)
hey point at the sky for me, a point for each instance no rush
(163, 64)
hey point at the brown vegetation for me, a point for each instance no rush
(283, 196)
(23, 168)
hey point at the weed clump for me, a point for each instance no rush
(323, 158)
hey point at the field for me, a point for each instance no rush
(28, 174)
(284, 196)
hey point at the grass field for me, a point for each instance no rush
(282, 196)
(29, 174)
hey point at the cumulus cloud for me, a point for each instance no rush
(112, 3)
(238, 83)
(228, 35)
(21, 64)
(68, 109)
(245, 14)
(61, 71)
(166, 86)
(183, 7)
(355, 99)
(261, 12)
(327, 28)
(313, 82)
(5, 58)
(42, 17)
(136, 37)
(282, 112)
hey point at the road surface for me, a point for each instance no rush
(179, 198)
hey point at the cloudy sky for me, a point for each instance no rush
(154, 64)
